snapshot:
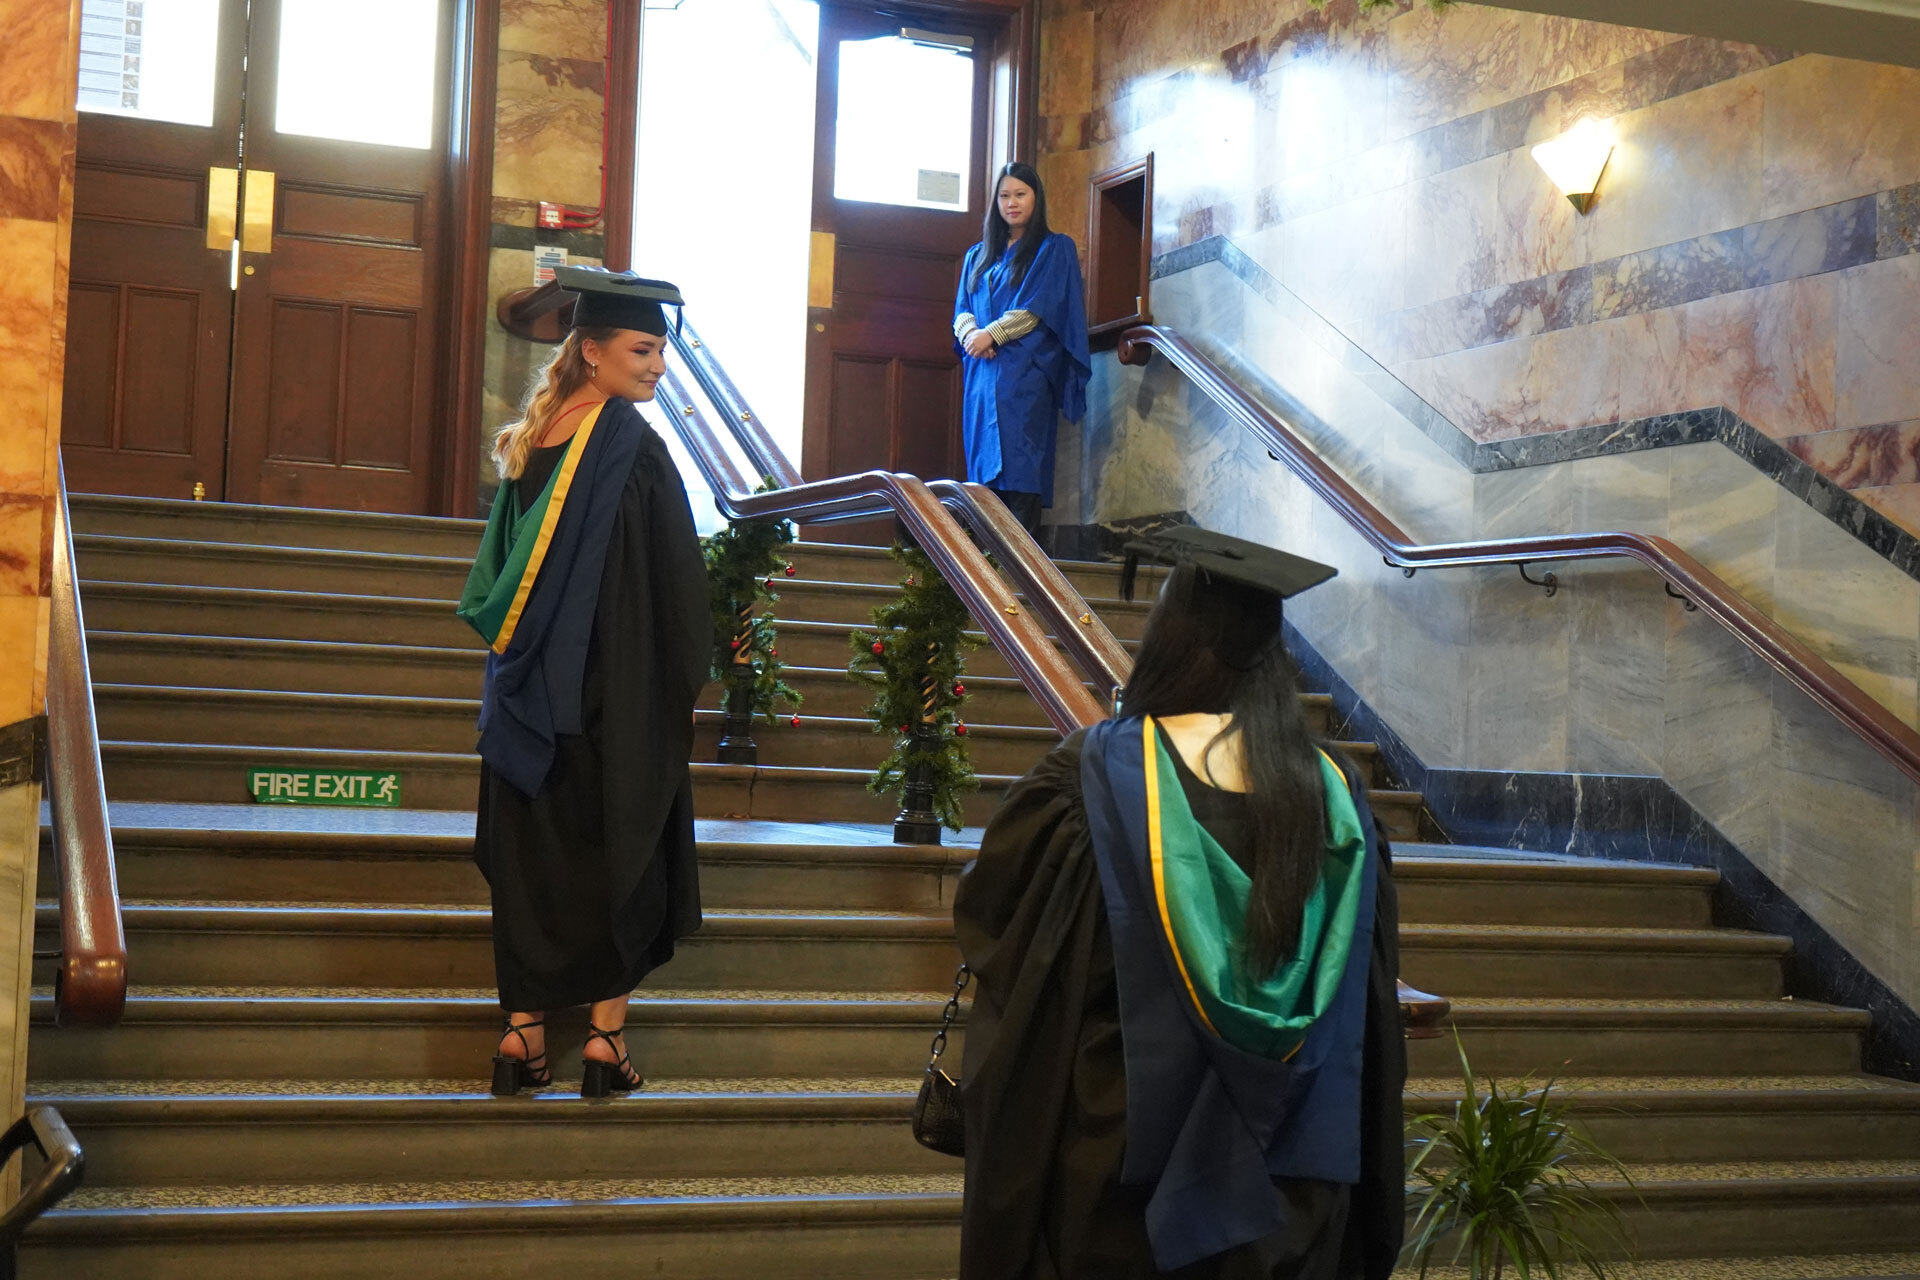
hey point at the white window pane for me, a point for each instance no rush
(358, 70)
(906, 124)
(150, 59)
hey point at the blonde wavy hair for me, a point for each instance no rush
(558, 380)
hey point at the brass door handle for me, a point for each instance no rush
(820, 270)
(256, 228)
(223, 207)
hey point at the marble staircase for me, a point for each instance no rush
(299, 1086)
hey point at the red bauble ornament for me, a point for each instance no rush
(909, 581)
(773, 653)
(878, 647)
(769, 584)
(960, 730)
(795, 722)
(734, 645)
(903, 728)
(959, 690)
(791, 570)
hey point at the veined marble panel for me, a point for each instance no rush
(555, 28)
(37, 75)
(1879, 332)
(1844, 839)
(27, 271)
(1682, 168)
(1888, 454)
(19, 635)
(547, 128)
(1717, 737)
(1856, 612)
(1810, 161)
(1723, 513)
(1066, 64)
(1767, 354)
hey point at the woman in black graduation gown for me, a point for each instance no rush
(1121, 1119)
(592, 591)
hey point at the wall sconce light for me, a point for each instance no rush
(1576, 159)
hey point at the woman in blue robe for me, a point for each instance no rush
(1020, 325)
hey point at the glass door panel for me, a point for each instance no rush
(358, 71)
(149, 59)
(905, 126)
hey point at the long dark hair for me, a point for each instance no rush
(994, 231)
(1214, 648)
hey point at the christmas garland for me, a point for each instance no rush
(913, 659)
(744, 560)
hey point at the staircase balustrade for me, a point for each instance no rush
(90, 985)
(1685, 577)
(63, 1165)
(928, 511)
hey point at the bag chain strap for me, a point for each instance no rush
(960, 980)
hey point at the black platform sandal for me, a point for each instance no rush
(511, 1075)
(602, 1078)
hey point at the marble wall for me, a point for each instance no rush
(1754, 244)
(1475, 669)
(547, 146)
(37, 78)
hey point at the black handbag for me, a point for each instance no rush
(938, 1122)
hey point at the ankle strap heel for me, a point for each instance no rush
(511, 1075)
(600, 1079)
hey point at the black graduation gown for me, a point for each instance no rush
(594, 879)
(1045, 1079)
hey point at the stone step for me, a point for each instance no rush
(206, 1033)
(771, 1226)
(1466, 960)
(393, 1033)
(1751, 1117)
(414, 671)
(899, 1228)
(298, 527)
(1440, 882)
(386, 723)
(208, 854)
(234, 943)
(216, 774)
(162, 1133)
(154, 1133)
(169, 557)
(394, 620)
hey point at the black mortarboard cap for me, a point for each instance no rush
(619, 299)
(1220, 558)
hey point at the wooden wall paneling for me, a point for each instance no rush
(623, 130)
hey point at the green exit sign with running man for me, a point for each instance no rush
(358, 787)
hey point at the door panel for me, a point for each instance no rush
(343, 393)
(882, 375)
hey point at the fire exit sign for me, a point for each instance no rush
(358, 787)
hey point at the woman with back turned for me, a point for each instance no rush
(591, 592)
(1020, 325)
(1185, 1054)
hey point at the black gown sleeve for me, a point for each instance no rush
(1028, 917)
(1378, 1215)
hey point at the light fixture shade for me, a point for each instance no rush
(1576, 159)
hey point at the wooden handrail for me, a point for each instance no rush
(90, 986)
(1695, 583)
(877, 493)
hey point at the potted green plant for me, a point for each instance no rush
(1503, 1181)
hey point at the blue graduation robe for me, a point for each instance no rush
(1011, 405)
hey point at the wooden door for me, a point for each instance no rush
(150, 300)
(297, 365)
(883, 381)
(337, 335)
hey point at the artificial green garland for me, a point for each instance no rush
(744, 560)
(914, 660)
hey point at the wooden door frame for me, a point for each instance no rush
(1013, 100)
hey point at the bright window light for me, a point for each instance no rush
(906, 124)
(358, 70)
